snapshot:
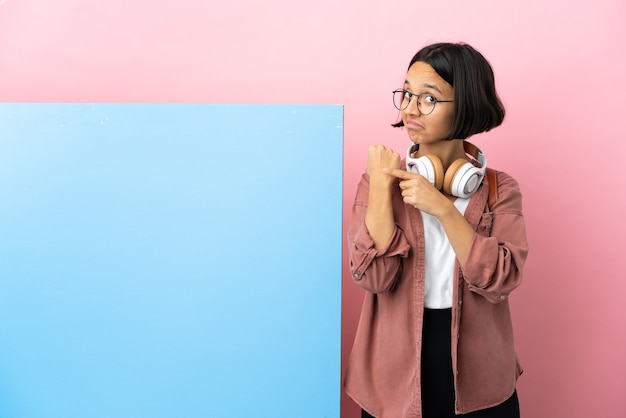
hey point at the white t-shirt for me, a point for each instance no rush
(440, 260)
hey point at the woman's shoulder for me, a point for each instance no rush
(504, 178)
(509, 193)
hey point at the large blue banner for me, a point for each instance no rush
(170, 260)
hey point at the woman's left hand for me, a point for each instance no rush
(418, 192)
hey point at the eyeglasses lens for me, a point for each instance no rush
(425, 103)
(400, 101)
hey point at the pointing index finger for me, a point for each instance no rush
(401, 174)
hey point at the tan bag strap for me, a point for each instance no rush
(493, 186)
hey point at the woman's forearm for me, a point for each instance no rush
(379, 218)
(459, 232)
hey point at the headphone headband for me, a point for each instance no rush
(476, 153)
(469, 148)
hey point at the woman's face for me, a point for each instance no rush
(427, 129)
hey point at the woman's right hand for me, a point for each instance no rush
(380, 157)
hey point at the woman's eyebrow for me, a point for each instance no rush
(431, 86)
(425, 85)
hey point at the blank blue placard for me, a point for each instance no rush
(170, 260)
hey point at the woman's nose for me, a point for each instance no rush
(413, 107)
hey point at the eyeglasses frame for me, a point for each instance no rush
(411, 95)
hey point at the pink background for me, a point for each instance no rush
(559, 67)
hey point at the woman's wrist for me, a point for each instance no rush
(381, 182)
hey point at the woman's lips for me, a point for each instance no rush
(411, 124)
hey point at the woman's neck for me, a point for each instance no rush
(447, 151)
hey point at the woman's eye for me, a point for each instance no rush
(408, 95)
(430, 99)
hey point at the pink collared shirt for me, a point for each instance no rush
(383, 373)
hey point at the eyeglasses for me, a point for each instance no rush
(425, 102)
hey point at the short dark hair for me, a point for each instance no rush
(477, 107)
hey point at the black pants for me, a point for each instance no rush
(437, 375)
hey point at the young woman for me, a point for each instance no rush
(438, 250)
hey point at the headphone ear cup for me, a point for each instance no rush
(437, 169)
(452, 175)
(462, 179)
(430, 167)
